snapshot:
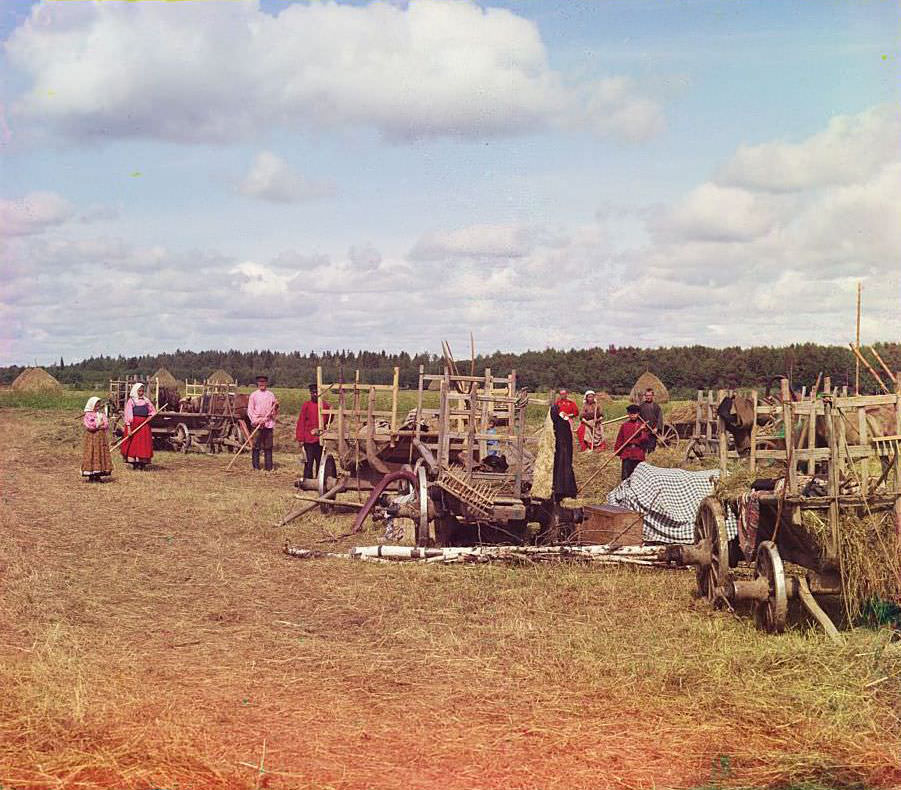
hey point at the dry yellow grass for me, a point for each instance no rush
(152, 634)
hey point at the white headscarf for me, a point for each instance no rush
(589, 392)
(135, 388)
(91, 404)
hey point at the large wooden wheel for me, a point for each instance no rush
(181, 439)
(422, 525)
(771, 614)
(669, 436)
(710, 536)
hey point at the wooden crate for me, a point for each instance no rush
(609, 523)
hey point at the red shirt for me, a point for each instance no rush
(631, 433)
(308, 421)
(568, 406)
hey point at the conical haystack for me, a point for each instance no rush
(36, 380)
(645, 381)
(220, 377)
(166, 379)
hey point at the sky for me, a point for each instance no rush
(215, 174)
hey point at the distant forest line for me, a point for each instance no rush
(614, 369)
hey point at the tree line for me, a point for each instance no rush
(683, 369)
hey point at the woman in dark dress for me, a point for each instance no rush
(564, 477)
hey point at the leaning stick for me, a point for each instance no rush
(303, 509)
(869, 367)
(323, 501)
(603, 466)
(250, 438)
(130, 435)
(881, 362)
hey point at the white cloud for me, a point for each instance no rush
(474, 241)
(850, 149)
(33, 213)
(223, 71)
(271, 178)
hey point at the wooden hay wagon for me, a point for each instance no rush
(441, 465)
(210, 418)
(827, 525)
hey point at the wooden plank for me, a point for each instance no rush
(319, 422)
(419, 401)
(754, 433)
(863, 434)
(721, 435)
(811, 431)
(394, 388)
(483, 420)
(471, 426)
(698, 409)
(898, 460)
(443, 425)
(789, 422)
(832, 478)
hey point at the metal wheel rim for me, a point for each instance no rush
(771, 614)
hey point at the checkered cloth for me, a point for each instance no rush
(669, 499)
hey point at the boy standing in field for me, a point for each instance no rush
(307, 432)
(262, 408)
(652, 414)
(631, 437)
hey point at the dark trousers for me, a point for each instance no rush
(650, 444)
(313, 452)
(629, 465)
(262, 441)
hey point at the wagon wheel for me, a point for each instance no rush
(328, 476)
(233, 439)
(710, 531)
(422, 526)
(770, 615)
(181, 439)
(696, 450)
(669, 436)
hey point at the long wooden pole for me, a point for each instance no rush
(882, 362)
(604, 465)
(873, 373)
(248, 440)
(857, 343)
(131, 435)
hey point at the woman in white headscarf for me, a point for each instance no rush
(137, 449)
(96, 462)
(591, 429)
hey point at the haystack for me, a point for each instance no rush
(36, 380)
(220, 377)
(166, 379)
(646, 380)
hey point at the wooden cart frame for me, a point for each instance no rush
(850, 488)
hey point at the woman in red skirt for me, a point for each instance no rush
(137, 449)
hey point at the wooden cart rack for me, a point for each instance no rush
(435, 461)
(852, 486)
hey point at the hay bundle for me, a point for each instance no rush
(868, 556)
(684, 411)
(169, 391)
(649, 380)
(36, 380)
(543, 470)
(603, 397)
(166, 379)
(220, 377)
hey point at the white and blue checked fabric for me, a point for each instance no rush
(669, 500)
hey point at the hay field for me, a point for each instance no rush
(153, 635)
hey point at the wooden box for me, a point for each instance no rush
(608, 524)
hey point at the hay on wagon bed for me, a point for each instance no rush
(645, 381)
(868, 556)
(36, 380)
(683, 412)
(220, 377)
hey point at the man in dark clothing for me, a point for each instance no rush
(564, 477)
(307, 432)
(652, 414)
(631, 438)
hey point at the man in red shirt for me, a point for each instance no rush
(569, 409)
(307, 432)
(631, 437)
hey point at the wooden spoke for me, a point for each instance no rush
(771, 614)
(710, 533)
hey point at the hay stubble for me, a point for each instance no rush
(152, 634)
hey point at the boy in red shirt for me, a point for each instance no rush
(307, 432)
(631, 437)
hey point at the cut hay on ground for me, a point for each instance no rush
(36, 380)
(144, 646)
(646, 380)
(543, 469)
(220, 377)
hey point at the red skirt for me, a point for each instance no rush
(140, 446)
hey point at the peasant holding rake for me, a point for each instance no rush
(96, 462)
(137, 449)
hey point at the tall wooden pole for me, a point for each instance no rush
(857, 344)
